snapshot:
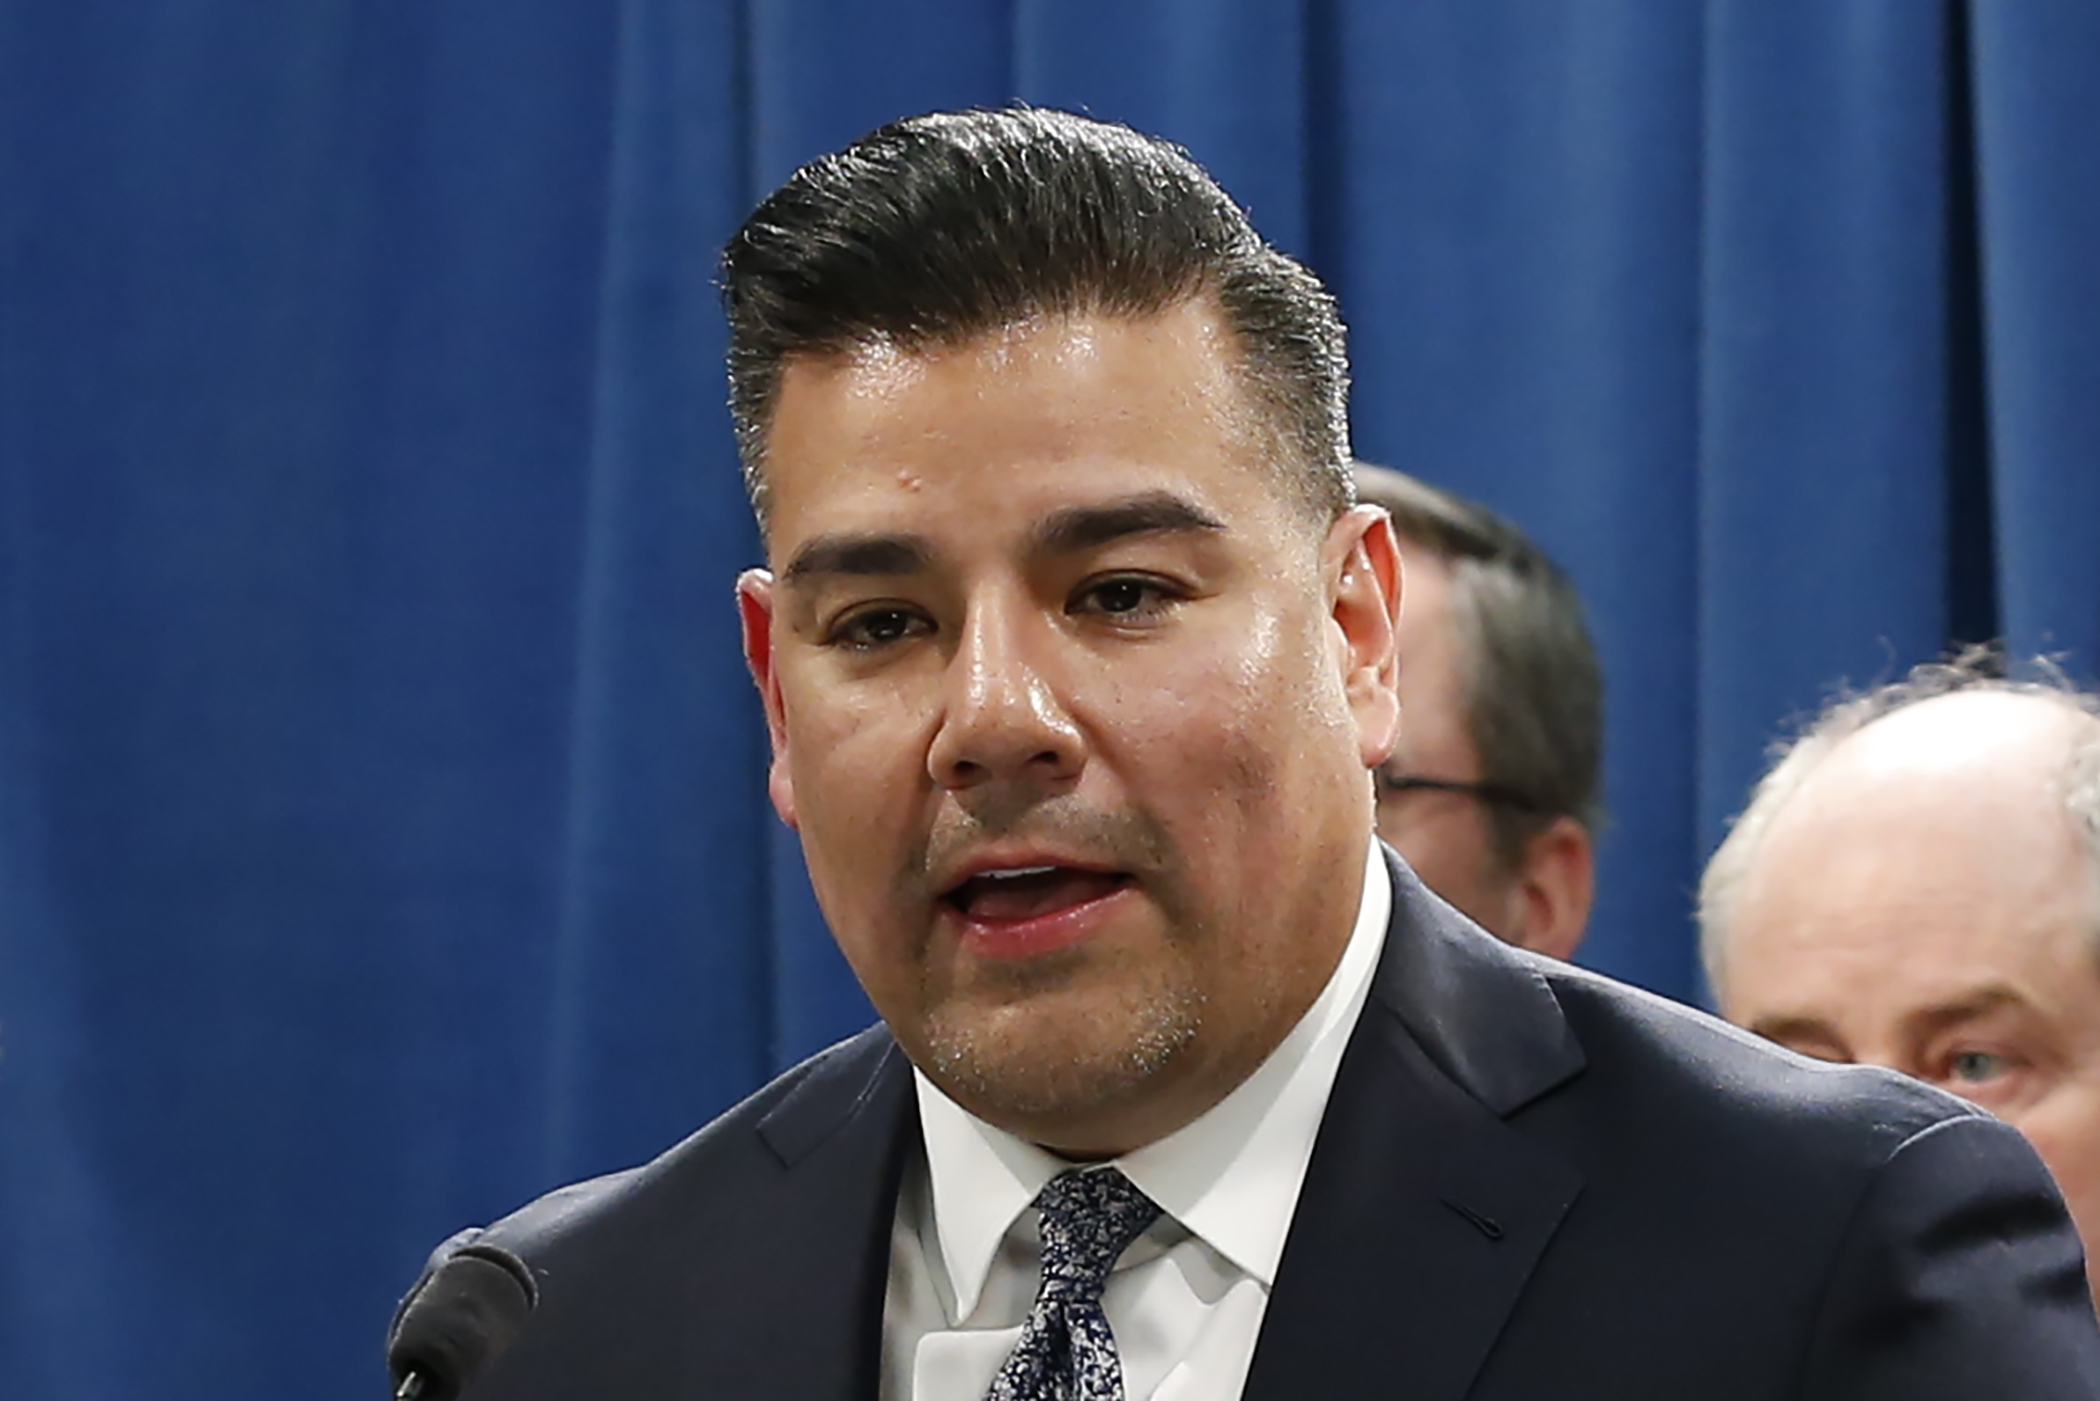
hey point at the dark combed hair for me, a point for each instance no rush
(1534, 692)
(937, 229)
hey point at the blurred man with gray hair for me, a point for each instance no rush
(1491, 794)
(1916, 884)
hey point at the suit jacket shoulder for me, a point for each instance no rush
(1897, 1242)
(746, 1261)
(1536, 1182)
(1681, 1073)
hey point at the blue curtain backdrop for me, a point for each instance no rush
(382, 835)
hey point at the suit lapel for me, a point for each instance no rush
(843, 1140)
(1423, 1213)
(1422, 1216)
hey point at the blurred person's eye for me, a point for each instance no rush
(1996, 1078)
(1977, 1067)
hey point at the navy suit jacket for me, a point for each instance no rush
(1531, 1183)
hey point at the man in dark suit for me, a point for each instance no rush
(1077, 661)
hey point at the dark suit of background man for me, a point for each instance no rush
(1491, 791)
(1077, 660)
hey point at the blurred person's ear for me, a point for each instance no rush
(1549, 902)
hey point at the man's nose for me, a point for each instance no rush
(1004, 719)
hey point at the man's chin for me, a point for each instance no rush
(1046, 1073)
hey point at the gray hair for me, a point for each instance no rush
(1978, 669)
(1534, 692)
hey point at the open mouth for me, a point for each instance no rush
(1031, 892)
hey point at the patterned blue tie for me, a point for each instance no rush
(1066, 1351)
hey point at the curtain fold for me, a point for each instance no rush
(659, 955)
(2040, 222)
(1823, 451)
(383, 835)
(1516, 242)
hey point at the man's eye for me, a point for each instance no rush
(1125, 598)
(1976, 1067)
(877, 627)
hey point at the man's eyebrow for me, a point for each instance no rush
(1077, 528)
(858, 554)
(1789, 1030)
(1929, 1021)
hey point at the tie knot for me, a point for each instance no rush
(1088, 1220)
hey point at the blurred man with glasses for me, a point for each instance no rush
(1492, 794)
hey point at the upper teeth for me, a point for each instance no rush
(1015, 871)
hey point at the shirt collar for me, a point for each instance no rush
(1231, 1177)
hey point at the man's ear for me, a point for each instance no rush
(754, 602)
(1363, 571)
(1553, 890)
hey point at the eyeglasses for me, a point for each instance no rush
(1497, 793)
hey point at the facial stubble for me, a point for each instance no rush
(1082, 1031)
(1033, 1059)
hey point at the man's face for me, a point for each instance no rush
(1072, 706)
(1922, 903)
(1446, 837)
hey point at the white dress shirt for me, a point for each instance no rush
(1186, 1299)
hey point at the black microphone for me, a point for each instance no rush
(466, 1313)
